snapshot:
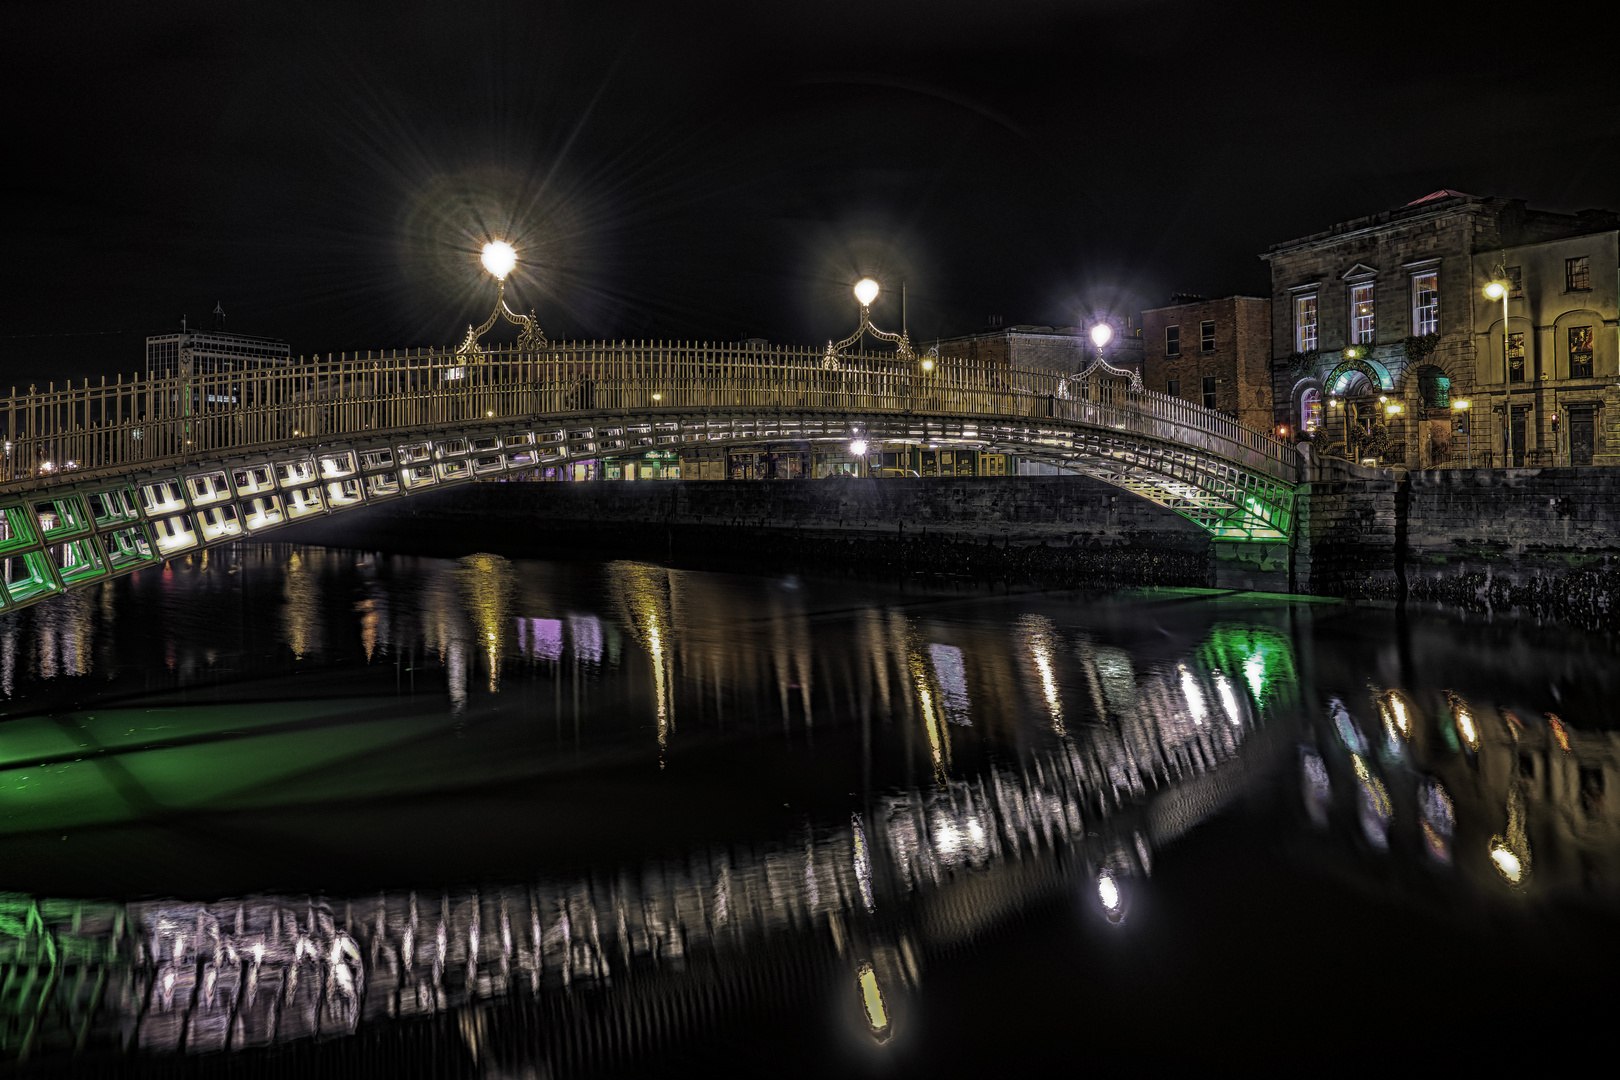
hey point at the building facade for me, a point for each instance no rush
(206, 352)
(1380, 324)
(1545, 389)
(1216, 353)
(1063, 350)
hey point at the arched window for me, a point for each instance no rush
(1434, 388)
(1310, 410)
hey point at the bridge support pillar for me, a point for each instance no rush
(1254, 565)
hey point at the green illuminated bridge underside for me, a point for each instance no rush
(99, 480)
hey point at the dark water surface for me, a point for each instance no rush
(298, 811)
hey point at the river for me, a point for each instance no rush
(298, 808)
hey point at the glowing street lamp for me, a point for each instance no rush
(1460, 407)
(499, 259)
(1101, 334)
(1500, 290)
(866, 292)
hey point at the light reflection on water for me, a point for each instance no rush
(970, 757)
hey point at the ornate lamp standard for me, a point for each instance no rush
(499, 258)
(1101, 334)
(866, 291)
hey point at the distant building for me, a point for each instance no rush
(1215, 353)
(1063, 350)
(206, 352)
(1392, 306)
(1557, 366)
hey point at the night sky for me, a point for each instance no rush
(716, 171)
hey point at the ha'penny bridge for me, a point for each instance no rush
(100, 479)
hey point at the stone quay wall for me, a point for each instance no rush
(1545, 540)
(1058, 529)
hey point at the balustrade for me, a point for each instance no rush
(121, 424)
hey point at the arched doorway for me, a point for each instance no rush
(1352, 418)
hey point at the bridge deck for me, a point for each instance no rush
(100, 479)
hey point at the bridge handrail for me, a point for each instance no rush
(138, 422)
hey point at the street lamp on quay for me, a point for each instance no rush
(1460, 407)
(1500, 290)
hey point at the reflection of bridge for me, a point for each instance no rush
(100, 480)
(615, 964)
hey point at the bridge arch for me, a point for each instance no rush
(103, 480)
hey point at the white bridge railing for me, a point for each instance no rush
(106, 427)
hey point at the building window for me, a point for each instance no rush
(1209, 391)
(1580, 352)
(1172, 341)
(1515, 281)
(1304, 323)
(1578, 274)
(1172, 387)
(1515, 358)
(1426, 303)
(1310, 410)
(1206, 335)
(1361, 314)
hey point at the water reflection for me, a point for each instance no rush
(486, 589)
(970, 758)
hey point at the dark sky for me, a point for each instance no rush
(721, 170)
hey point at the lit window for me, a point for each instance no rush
(1580, 352)
(1172, 387)
(1515, 358)
(1304, 323)
(1172, 341)
(1578, 273)
(1426, 303)
(1206, 335)
(1361, 314)
(1310, 410)
(1209, 391)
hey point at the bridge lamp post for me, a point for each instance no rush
(499, 259)
(1101, 335)
(866, 292)
(1460, 407)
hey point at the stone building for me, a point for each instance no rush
(1545, 392)
(1216, 353)
(1379, 323)
(1060, 349)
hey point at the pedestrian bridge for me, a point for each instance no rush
(103, 478)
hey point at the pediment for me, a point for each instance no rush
(1360, 270)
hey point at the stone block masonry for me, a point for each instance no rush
(1542, 541)
(1545, 542)
(1043, 529)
